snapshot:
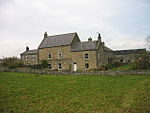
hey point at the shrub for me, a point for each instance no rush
(38, 66)
(142, 62)
(12, 62)
(44, 64)
(114, 65)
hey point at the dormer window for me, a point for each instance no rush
(59, 55)
(49, 56)
(86, 55)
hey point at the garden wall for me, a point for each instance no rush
(49, 72)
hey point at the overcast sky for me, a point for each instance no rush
(123, 24)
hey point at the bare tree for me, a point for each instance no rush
(147, 40)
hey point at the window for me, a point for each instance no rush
(86, 55)
(86, 65)
(26, 58)
(59, 55)
(98, 55)
(33, 57)
(49, 56)
(59, 66)
(50, 66)
(121, 60)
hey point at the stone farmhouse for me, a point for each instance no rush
(67, 52)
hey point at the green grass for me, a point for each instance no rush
(125, 67)
(29, 93)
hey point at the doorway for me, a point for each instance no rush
(74, 66)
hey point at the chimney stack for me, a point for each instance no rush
(45, 35)
(27, 48)
(103, 43)
(99, 37)
(90, 39)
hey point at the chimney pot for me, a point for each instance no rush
(27, 48)
(103, 43)
(90, 39)
(99, 37)
(45, 35)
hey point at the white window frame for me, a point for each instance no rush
(33, 57)
(26, 58)
(87, 65)
(59, 55)
(85, 55)
(49, 66)
(59, 66)
(49, 55)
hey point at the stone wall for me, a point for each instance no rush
(125, 58)
(100, 56)
(92, 73)
(68, 58)
(65, 59)
(129, 56)
(104, 57)
(79, 58)
(30, 59)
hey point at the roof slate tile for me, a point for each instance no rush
(57, 40)
(30, 52)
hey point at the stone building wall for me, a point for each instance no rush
(104, 57)
(108, 57)
(129, 56)
(125, 58)
(79, 58)
(31, 59)
(55, 59)
(100, 56)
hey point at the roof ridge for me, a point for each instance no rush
(130, 49)
(57, 40)
(62, 34)
(88, 41)
(32, 49)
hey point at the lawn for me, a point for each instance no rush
(124, 67)
(32, 93)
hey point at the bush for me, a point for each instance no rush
(38, 66)
(103, 68)
(44, 64)
(12, 62)
(115, 65)
(142, 62)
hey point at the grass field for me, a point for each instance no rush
(29, 93)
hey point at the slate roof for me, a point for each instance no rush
(30, 52)
(66, 39)
(107, 49)
(131, 51)
(57, 40)
(83, 46)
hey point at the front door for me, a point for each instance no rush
(75, 67)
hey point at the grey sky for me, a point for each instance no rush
(124, 24)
